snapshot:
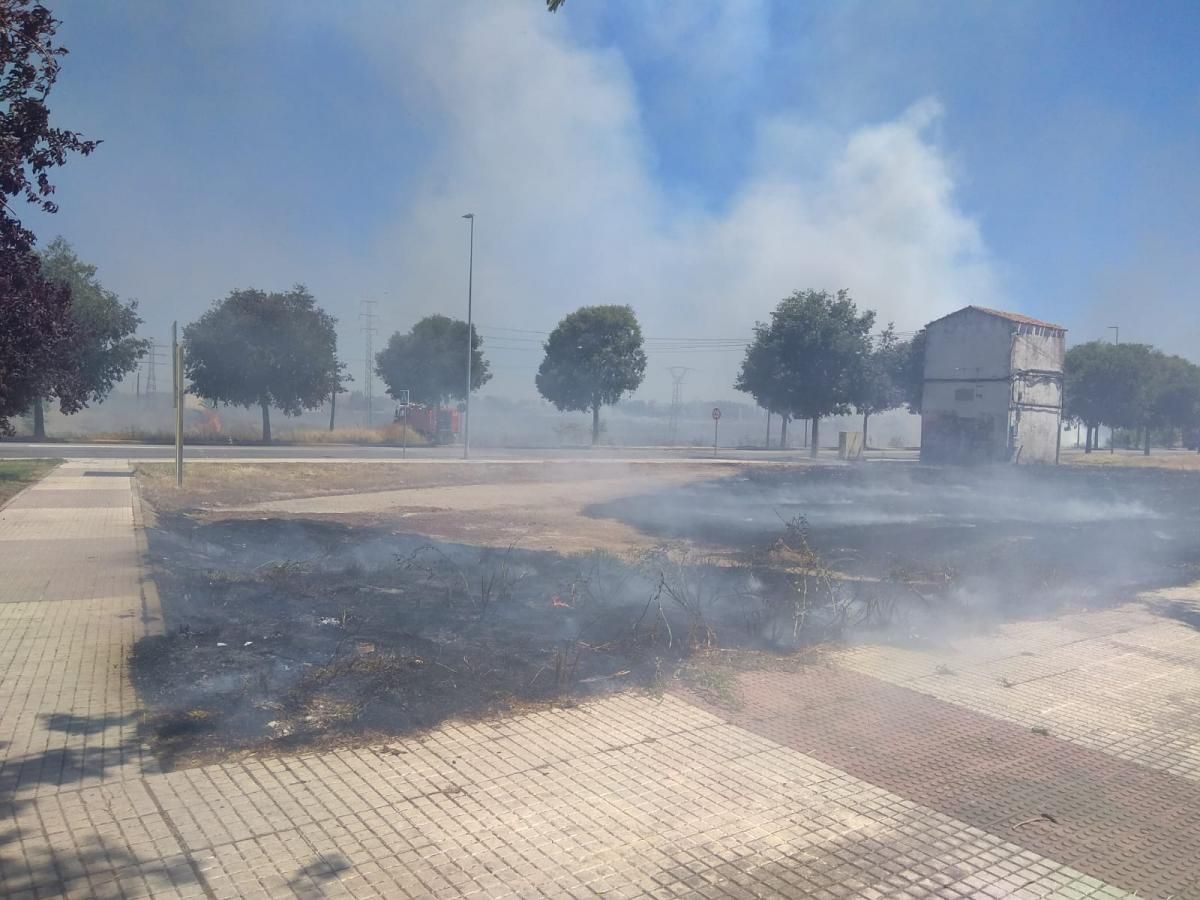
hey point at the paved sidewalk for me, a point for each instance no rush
(628, 796)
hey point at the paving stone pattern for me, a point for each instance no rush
(629, 796)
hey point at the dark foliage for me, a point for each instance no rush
(103, 348)
(260, 349)
(593, 357)
(430, 361)
(35, 322)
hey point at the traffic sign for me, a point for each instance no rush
(716, 413)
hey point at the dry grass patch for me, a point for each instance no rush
(1180, 460)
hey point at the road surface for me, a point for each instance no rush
(21, 449)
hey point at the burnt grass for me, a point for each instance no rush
(1002, 543)
(284, 634)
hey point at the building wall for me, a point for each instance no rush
(965, 404)
(968, 345)
(1037, 395)
(993, 390)
(1036, 435)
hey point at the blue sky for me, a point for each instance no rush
(697, 159)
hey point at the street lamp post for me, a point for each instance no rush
(1116, 330)
(470, 341)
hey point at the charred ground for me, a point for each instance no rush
(287, 632)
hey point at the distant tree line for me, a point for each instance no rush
(1132, 387)
(64, 338)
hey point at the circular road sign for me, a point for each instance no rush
(716, 412)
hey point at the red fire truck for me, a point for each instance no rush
(434, 422)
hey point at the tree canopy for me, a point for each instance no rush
(809, 360)
(103, 347)
(36, 331)
(593, 357)
(430, 361)
(880, 388)
(910, 371)
(1130, 386)
(35, 319)
(264, 349)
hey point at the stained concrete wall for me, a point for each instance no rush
(1035, 435)
(993, 390)
(965, 404)
(968, 345)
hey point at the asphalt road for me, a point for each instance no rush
(20, 449)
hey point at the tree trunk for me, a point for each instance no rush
(39, 420)
(767, 446)
(1087, 440)
(806, 432)
(816, 437)
(266, 411)
(595, 423)
(783, 445)
(864, 442)
(1146, 444)
(332, 408)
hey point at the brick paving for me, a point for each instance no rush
(628, 796)
(1132, 825)
(1123, 681)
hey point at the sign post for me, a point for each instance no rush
(403, 398)
(716, 414)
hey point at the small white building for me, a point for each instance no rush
(993, 388)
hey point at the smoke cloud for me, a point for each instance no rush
(541, 131)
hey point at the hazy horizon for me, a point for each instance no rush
(697, 160)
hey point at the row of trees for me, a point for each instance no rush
(255, 348)
(592, 358)
(1133, 387)
(817, 357)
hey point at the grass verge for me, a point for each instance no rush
(15, 474)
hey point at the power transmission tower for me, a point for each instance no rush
(154, 356)
(367, 315)
(678, 373)
(151, 359)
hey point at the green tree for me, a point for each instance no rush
(102, 348)
(1175, 396)
(1087, 384)
(815, 350)
(880, 388)
(264, 349)
(593, 357)
(36, 327)
(909, 374)
(431, 361)
(1131, 374)
(1111, 384)
(758, 377)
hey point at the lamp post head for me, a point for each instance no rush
(469, 216)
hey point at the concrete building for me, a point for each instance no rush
(993, 388)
